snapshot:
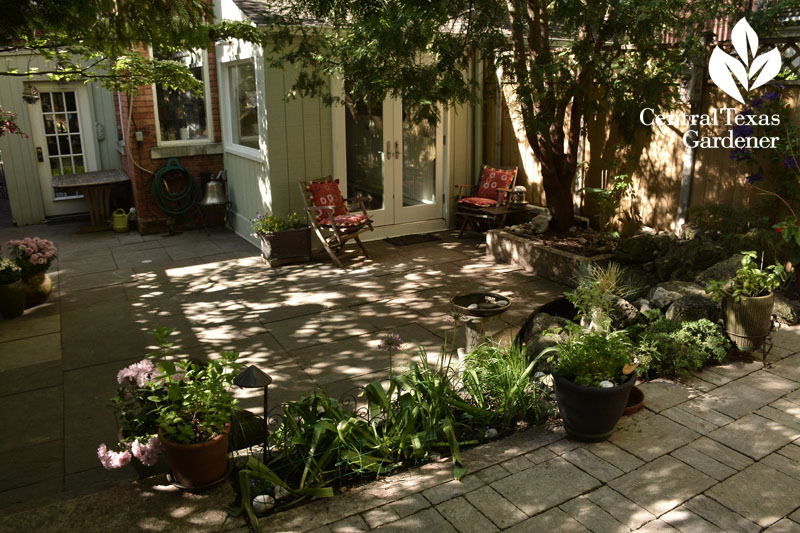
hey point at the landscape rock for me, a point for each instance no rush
(692, 307)
(637, 249)
(623, 313)
(542, 335)
(725, 269)
(660, 297)
(787, 311)
(683, 288)
(644, 305)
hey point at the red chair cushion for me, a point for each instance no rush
(350, 219)
(478, 202)
(326, 193)
(493, 179)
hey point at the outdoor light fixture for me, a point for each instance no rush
(254, 378)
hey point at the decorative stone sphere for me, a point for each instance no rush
(263, 503)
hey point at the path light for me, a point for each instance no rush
(254, 378)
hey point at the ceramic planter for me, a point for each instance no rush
(195, 466)
(290, 246)
(747, 322)
(590, 413)
(12, 299)
(37, 289)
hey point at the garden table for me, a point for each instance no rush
(96, 188)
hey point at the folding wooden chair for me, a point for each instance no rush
(330, 218)
(493, 194)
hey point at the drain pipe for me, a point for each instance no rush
(695, 97)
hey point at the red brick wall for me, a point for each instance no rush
(151, 218)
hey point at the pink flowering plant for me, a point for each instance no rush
(32, 254)
(8, 123)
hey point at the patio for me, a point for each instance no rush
(719, 452)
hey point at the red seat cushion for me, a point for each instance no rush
(350, 219)
(493, 179)
(326, 193)
(478, 202)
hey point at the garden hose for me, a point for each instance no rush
(174, 203)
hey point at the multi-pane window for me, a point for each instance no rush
(244, 108)
(182, 115)
(62, 133)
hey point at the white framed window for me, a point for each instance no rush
(242, 103)
(183, 117)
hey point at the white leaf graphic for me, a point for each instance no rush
(720, 67)
(771, 61)
(742, 36)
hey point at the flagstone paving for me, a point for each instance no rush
(719, 452)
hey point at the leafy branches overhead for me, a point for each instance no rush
(97, 40)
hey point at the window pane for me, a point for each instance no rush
(58, 101)
(49, 125)
(61, 123)
(76, 144)
(52, 146)
(63, 143)
(66, 165)
(73, 123)
(47, 104)
(244, 107)
(79, 165)
(55, 167)
(182, 115)
(70, 96)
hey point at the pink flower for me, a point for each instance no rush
(111, 459)
(147, 453)
(139, 373)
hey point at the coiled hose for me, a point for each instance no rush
(181, 201)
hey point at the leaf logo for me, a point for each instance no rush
(723, 67)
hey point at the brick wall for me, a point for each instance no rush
(151, 218)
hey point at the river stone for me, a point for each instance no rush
(692, 307)
(724, 270)
(661, 297)
(623, 313)
(636, 249)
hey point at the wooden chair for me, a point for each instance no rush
(330, 218)
(489, 203)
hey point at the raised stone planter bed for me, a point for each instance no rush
(550, 263)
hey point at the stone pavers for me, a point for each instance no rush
(719, 452)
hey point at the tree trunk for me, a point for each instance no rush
(558, 196)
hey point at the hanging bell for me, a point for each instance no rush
(215, 193)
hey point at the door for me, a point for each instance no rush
(393, 163)
(59, 126)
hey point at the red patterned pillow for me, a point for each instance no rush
(493, 179)
(350, 219)
(325, 193)
(478, 202)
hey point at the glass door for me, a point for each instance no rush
(393, 163)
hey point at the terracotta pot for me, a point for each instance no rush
(748, 321)
(37, 288)
(635, 402)
(198, 465)
(12, 299)
(590, 413)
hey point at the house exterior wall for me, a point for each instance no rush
(22, 176)
(196, 158)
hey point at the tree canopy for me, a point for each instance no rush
(567, 60)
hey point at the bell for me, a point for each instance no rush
(215, 193)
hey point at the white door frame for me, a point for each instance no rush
(70, 205)
(393, 212)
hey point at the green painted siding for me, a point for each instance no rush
(19, 157)
(248, 191)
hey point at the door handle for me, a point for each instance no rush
(396, 150)
(388, 149)
(39, 154)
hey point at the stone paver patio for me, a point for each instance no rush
(720, 452)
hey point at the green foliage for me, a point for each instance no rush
(750, 280)
(610, 199)
(192, 401)
(724, 218)
(499, 379)
(665, 348)
(9, 271)
(263, 224)
(594, 295)
(789, 230)
(589, 357)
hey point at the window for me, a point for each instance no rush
(243, 105)
(182, 116)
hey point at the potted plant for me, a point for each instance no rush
(194, 417)
(34, 257)
(592, 376)
(747, 301)
(181, 408)
(12, 290)
(282, 240)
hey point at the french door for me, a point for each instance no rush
(59, 125)
(393, 163)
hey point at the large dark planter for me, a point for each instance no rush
(12, 299)
(282, 247)
(198, 465)
(590, 413)
(747, 322)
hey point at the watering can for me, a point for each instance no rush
(119, 221)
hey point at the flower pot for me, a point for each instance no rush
(635, 402)
(12, 299)
(748, 321)
(590, 413)
(37, 288)
(197, 465)
(290, 246)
